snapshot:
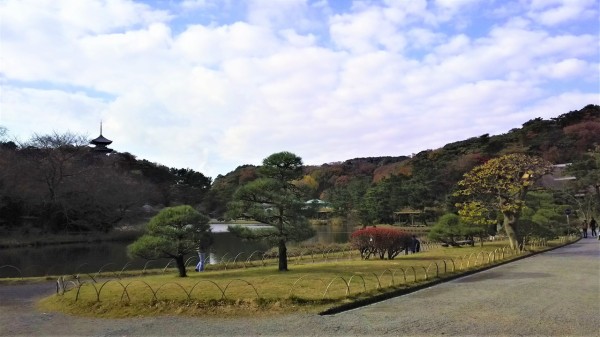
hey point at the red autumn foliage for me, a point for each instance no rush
(585, 133)
(385, 171)
(380, 242)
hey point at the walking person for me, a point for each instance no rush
(205, 242)
(593, 226)
(584, 228)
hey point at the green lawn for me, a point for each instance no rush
(307, 286)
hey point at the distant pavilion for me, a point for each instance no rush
(101, 143)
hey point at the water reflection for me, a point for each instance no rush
(112, 256)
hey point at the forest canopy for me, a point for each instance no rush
(57, 183)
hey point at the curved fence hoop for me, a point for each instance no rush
(469, 260)
(145, 266)
(90, 276)
(414, 273)
(437, 269)
(363, 282)
(426, 275)
(239, 279)
(331, 282)
(60, 285)
(462, 260)
(300, 256)
(223, 261)
(102, 268)
(383, 273)
(168, 264)
(453, 265)
(99, 291)
(79, 266)
(264, 263)
(175, 283)
(209, 281)
(79, 289)
(291, 291)
(312, 255)
(143, 282)
(13, 267)
(66, 288)
(326, 254)
(477, 258)
(403, 274)
(123, 269)
(235, 259)
(187, 262)
(224, 256)
(250, 256)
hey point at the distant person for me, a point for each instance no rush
(584, 228)
(593, 226)
(415, 246)
(201, 261)
(205, 242)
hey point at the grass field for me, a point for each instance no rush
(307, 286)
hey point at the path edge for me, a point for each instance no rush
(401, 292)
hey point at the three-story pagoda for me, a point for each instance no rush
(101, 143)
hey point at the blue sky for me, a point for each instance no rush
(211, 85)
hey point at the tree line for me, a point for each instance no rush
(370, 190)
(56, 183)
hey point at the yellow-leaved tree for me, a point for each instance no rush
(500, 184)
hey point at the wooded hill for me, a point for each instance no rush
(56, 183)
(373, 188)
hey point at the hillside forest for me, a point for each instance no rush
(56, 183)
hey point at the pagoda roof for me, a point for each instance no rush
(100, 141)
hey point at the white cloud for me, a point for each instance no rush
(277, 13)
(569, 68)
(557, 12)
(195, 4)
(212, 45)
(26, 111)
(379, 78)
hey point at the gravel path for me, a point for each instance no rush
(551, 294)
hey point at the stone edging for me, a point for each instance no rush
(401, 292)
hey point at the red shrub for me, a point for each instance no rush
(380, 241)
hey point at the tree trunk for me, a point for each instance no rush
(180, 265)
(510, 227)
(282, 255)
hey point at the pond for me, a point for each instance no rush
(112, 256)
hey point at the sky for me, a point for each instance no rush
(214, 84)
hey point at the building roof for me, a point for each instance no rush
(316, 201)
(100, 141)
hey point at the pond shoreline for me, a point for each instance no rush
(65, 239)
(20, 241)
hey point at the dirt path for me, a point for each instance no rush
(551, 294)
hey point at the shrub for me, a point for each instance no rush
(380, 242)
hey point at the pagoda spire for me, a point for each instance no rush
(101, 143)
